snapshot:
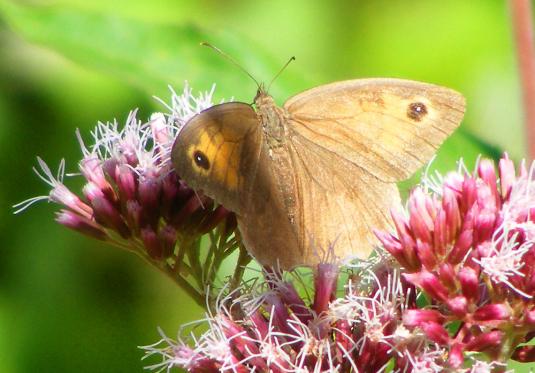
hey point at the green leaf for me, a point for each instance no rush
(147, 55)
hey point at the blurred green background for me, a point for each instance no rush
(71, 304)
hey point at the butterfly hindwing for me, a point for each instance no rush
(340, 204)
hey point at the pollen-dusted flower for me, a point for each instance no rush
(135, 200)
(278, 326)
(469, 245)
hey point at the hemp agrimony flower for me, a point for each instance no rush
(134, 200)
(469, 246)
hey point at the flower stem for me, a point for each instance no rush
(521, 14)
(243, 259)
(185, 285)
(177, 278)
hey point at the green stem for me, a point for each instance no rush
(209, 257)
(193, 253)
(176, 278)
(243, 259)
(186, 286)
(179, 258)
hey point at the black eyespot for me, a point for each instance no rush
(416, 111)
(201, 160)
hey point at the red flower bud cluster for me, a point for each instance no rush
(469, 247)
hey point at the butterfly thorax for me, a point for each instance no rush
(272, 118)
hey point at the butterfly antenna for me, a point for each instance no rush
(280, 71)
(232, 60)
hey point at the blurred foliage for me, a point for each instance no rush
(71, 304)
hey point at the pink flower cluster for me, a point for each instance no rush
(134, 199)
(279, 329)
(274, 329)
(469, 247)
(459, 298)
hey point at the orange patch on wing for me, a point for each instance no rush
(223, 157)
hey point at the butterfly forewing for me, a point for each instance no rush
(387, 127)
(217, 152)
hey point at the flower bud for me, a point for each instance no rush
(488, 175)
(168, 237)
(458, 306)
(524, 354)
(80, 224)
(456, 356)
(436, 332)
(507, 175)
(289, 296)
(407, 242)
(260, 325)
(126, 182)
(429, 283)
(491, 312)
(485, 341)
(279, 312)
(151, 242)
(109, 166)
(133, 215)
(326, 278)
(469, 193)
(107, 215)
(529, 317)
(469, 283)
(149, 191)
(393, 246)
(426, 255)
(453, 214)
(170, 193)
(447, 276)
(92, 191)
(418, 317)
(463, 244)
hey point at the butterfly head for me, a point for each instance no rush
(262, 98)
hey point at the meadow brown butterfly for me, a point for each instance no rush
(322, 169)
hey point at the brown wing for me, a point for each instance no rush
(350, 141)
(386, 127)
(340, 203)
(217, 152)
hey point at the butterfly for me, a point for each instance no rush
(319, 172)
